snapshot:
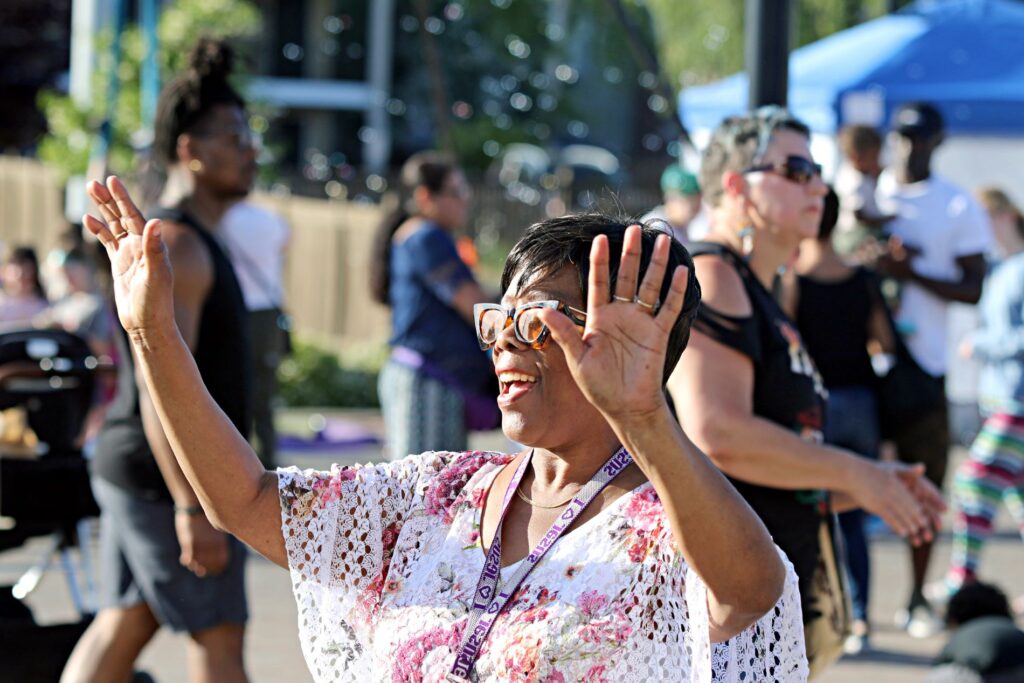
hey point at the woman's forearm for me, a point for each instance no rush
(217, 461)
(718, 533)
(758, 451)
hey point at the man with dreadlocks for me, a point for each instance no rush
(164, 563)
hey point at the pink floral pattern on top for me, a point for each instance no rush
(384, 560)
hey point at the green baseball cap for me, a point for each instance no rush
(677, 179)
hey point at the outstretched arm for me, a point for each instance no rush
(236, 492)
(618, 363)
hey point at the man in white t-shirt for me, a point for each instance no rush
(256, 240)
(945, 234)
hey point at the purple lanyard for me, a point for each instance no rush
(487, 605)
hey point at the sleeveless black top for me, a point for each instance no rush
(788, 391)
(833, 319)
(123, 456)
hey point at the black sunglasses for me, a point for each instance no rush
(799, 170)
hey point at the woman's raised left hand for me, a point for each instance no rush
(619, 361)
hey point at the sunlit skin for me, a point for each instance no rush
(713, 385)
(616, 361)
(1007, 231)
(681, 209)
(782, 211)
(525, 406)
(449, 206)
(19, 279)
(223, 146)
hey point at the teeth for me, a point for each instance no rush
(508, 377)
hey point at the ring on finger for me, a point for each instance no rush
(622, 299)
(649, 307)
(118, 236)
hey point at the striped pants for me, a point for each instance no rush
(992, 474)
(420, 413)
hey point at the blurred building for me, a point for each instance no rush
(345, 89)
(34, 54)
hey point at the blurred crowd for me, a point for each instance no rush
(814, 379)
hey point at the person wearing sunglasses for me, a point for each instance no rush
(748, 392)
(609, 548)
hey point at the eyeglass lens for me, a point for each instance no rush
(529, 327)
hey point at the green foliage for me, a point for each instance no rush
(315, 377)
(698, 41)
(702, 41)
(72, 129)
(500, 64)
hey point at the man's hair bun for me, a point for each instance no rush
(211, 58)
(188, 99)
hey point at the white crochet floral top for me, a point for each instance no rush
(384, 560)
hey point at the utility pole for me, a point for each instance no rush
(767, 51)
(377, 149)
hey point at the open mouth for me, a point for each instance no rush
(514, 385)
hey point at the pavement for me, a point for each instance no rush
(272, 648)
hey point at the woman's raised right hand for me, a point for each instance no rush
(141, 269)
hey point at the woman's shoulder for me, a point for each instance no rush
(721, 286)
(416, 230)
(450, 474)
(436, 477)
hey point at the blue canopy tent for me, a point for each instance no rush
(964, 56)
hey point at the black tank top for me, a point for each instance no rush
(123, 456)
(833, 319)
(788, 391)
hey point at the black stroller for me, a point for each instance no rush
(47, 382)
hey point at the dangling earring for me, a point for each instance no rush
(195, 165)
(746, 241)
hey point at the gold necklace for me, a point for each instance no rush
(538, 505)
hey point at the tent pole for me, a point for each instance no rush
(767, 51)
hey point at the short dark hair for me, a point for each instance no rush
(551, 245)
(975, 600)
(191, 96)
(859, 138)
(739, 142)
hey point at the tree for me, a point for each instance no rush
(72, 129)
(703, 41)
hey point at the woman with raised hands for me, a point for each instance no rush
(609, 549)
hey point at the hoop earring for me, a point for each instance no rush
(195, 165)
(746, 241)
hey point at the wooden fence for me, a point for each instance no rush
(30, 204)
(326, 273)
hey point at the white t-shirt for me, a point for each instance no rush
(255, 239)
(945, 223)
(856, 192)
